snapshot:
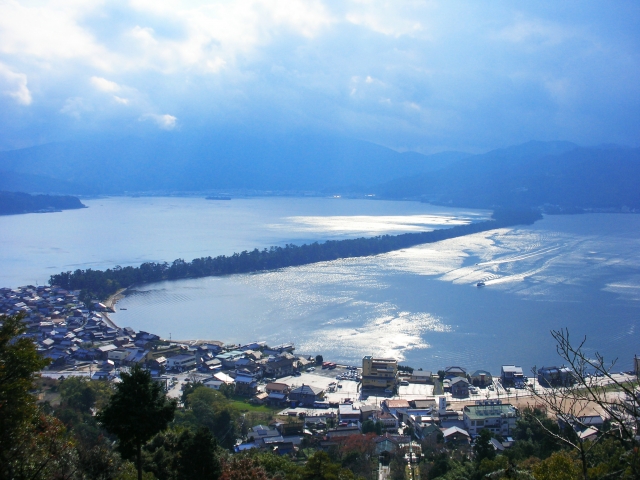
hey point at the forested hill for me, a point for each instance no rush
(558, 176)
(101, 284)
(13, 203)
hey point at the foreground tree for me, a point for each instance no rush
(199, 457)
(136, 412)
(592, 385)
(32, 444)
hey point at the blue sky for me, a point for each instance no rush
(412, 75)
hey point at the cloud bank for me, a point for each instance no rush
(419, 75)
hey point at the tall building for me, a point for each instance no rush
(379, 372)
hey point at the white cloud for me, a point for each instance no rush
(75, 107)
(105, 85)
(108, 86)
(165, 122)
(50, 31)
(535, 31)
(393, 19)
(14, 85)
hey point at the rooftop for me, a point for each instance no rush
(488, 409)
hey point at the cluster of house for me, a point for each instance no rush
(244, 367)
(72, 336)
(460, 384)
(286, 434)
(68, 333)
(429, 418)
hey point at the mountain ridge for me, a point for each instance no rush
(566, 177)
(557, 174)
(221, 161)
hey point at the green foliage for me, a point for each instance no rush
(19, 416)
(405, 368)
(320, 467)
(228, 389)
(487, 465)
(99, 461)
(531, 438)
(137, 410)
(559, 466)
(440, 465)
(189, 388)
(368, 426)
(209, 408)
(319, 359)
(458, 471)
(199, 457)
(82, 394)
(33, 444)
(397, 469)
(275, 465)
(483, 448)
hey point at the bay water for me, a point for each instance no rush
(420, 305)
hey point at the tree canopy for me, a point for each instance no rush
(136, 412)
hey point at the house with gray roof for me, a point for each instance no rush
(511, 374)
(459, 387)
(306, 395)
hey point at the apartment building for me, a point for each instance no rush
(379, 372)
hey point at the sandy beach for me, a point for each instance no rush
(113, 299)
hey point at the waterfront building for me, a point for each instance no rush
(555, 376)
(455, 371)
(379, 372)
(481, 378)
(511, 374)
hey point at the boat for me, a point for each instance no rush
(480, 284)
(217, 197)
(122, 308)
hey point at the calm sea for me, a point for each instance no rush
(420, 305)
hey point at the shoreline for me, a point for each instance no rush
(113, 299)
(111, 303)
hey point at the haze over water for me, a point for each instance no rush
(420, 305)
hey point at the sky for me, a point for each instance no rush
(415, 75)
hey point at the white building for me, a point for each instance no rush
(181, 362)
(492, 415)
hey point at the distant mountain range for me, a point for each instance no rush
(180, 162)
(559, 175)
(562, 175)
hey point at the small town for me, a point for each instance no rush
(311, 399)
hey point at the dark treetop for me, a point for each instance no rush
(12, 203)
